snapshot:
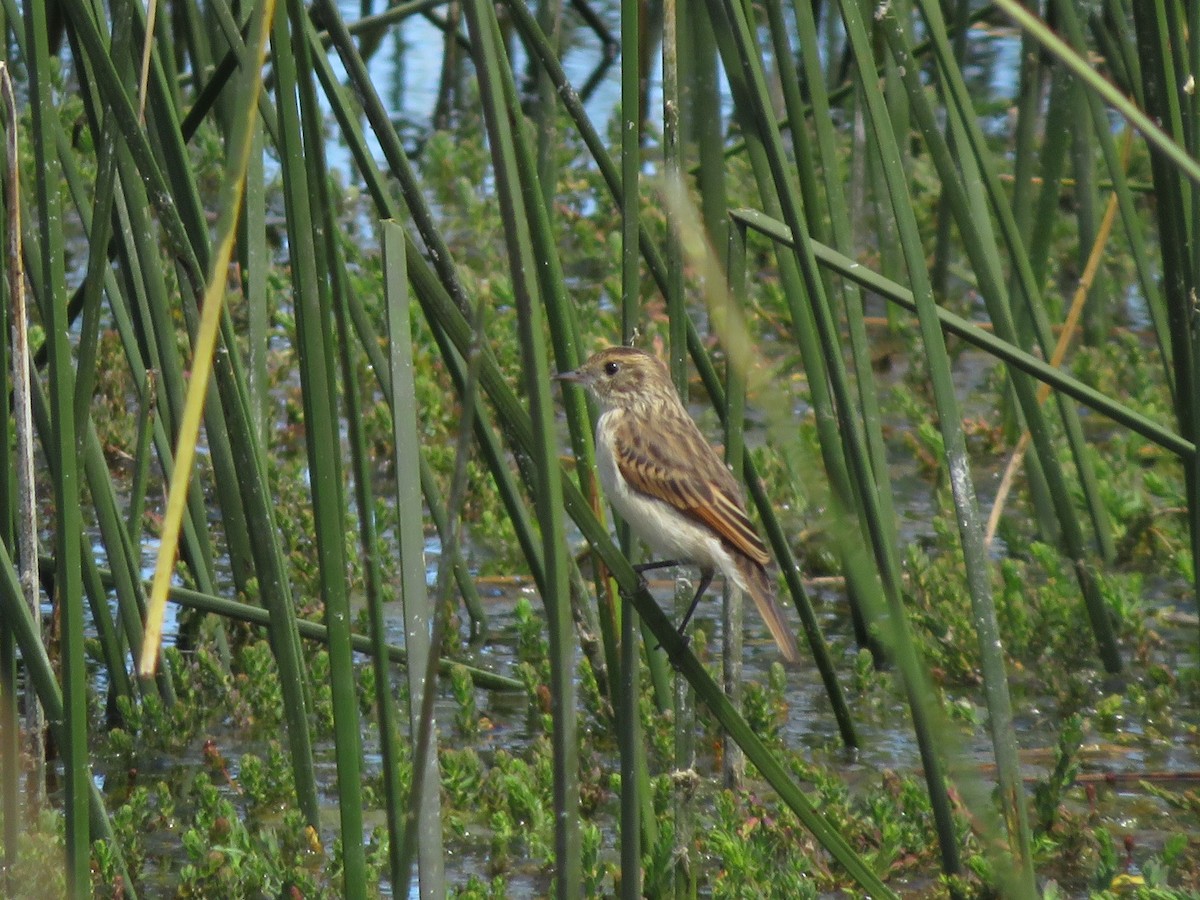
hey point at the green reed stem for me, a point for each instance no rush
(512, 161)
(1089, 210)
(920, 700)
(385, 202)
(311, 631)
(445, 279)
(683, 703)
(68, 580)
(702, 120)
(733, 762)
(1178, 199)
(131, 604)
(1187, 166)
(387, 719)
(977, 337)
(709, 693)
(18, 622)
(196, 552)
(452, 327)
(255, 261)
(630, 303)
(234, 452)
(815, 333)
(10, 756)
(304, 180)
(859, 579)
(1039, 221)
(10, 285)
(24, 520)
(1137, 244)
(421, 835)
(973, 225)
(780, 547)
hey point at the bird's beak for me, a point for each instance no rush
(574, 377)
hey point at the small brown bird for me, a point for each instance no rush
(670, 485)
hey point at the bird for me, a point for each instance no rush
(668, 482)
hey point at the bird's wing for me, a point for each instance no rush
(679, 467)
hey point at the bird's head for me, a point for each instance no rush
(622, 377)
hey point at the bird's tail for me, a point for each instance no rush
(759, 586)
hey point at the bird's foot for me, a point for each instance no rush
(687, 643)
(643, 568)
(642, 585)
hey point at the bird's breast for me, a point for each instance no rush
(611, 479)
(667, 530)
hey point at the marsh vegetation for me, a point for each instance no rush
(906, 270)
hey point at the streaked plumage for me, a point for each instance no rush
(668, 482)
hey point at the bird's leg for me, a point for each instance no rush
(706, 577)
(650, 566)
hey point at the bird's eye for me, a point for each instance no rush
(611, 368)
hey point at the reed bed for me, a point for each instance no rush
(174, 217)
